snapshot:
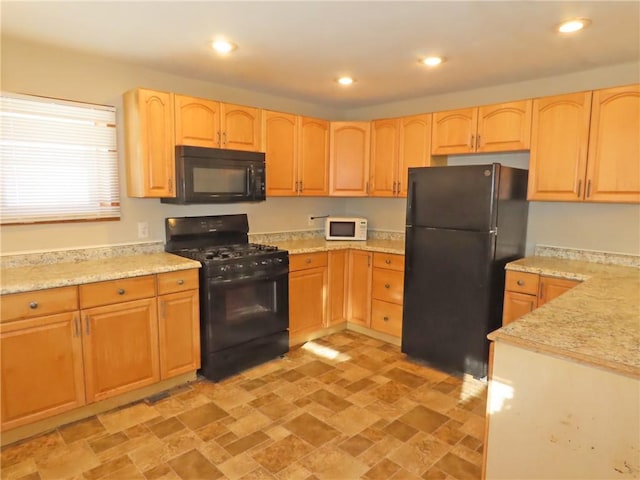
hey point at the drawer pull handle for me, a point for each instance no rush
(520, 282)
(386, 319)
(180, 282)
(386, 285)
(308, 260)
(121, 291)
(388, 261)
(33, 305)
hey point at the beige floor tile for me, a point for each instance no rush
(238, 466)
(130, 472)
(161, 472)
(30, 449)
(282, 453)
(352, 420)
(419, 454)
(458, 467)
(68, 461)
(87, 428)
(108, 468)
(202, 415)
(382, 470)
(295, 471)
(193, 465)
(245, 443)
(19, 470)
(331, 463)
(311, 429)
(258, 474)
(474, 427)
(424, 419)
(252, 422)
(126, 417)
(106, 442)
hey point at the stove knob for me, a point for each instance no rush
(278, 260)
(265, 261)
(254, 264)
(225, 268)
(239, 266)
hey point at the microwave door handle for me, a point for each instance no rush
(250, 181)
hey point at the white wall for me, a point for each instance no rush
(42, 70)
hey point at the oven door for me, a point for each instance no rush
(240, 310)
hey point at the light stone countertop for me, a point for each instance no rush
(37, 277)
(596, 322)
(311, 245)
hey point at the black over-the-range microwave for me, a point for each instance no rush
(216, 175)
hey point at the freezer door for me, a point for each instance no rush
(460, 197)
(450, 298)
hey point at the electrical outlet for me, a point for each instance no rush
(143, 229)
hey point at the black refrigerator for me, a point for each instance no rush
(464, 223)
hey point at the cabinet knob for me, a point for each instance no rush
(388, 261)
(180, 281)
(308, 260)
(386, 319)
(520, 282)
(121, 291)
(33, 305)
(386, 285)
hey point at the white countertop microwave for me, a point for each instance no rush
(345, 228)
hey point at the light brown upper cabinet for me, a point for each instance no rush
(297, 154)
(149, 143)
(207, 123)
(396, 145)
(491, 128)
(349, 159)
(586, 147)
(613, 162)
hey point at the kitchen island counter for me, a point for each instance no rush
(596, 322)
(37, 277)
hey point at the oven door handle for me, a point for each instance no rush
(244, 279)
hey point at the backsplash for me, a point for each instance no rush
(79, 255)
(306, 234)
(610, 258)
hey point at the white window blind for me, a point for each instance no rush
(58, 160)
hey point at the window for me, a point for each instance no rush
(58, 161)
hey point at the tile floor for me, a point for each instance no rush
(354, 408)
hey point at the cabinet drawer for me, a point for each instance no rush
(116, 291)
(522, 282)
(39, 303)
(386, 317)
(388, 260)
(179, 281)
(388, 285)
(307, 260)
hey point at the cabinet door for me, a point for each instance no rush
(337, 300)
(504, 127)
(41, 368)
(454, 131)
(120, 348)
(306, 302)
(150, 151)
(414, 148)
(240, 127)
(349, 160)
(551, 288)
(613, 166)
(313, 157)
(281, 149)
(197, 121)
(559, 135)
(516, 305)
(179, 333)
(384, 157)
(359, 304)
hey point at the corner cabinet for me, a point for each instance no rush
(349, 159)
(501, 127)
(149, 143)
(359, 287)
(586, 147)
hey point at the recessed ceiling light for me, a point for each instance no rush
(223, 46)
(574, 25)
(432, 61)
(345, 80)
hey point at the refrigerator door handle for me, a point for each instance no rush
(411, 201)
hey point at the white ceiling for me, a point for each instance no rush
(297, 49)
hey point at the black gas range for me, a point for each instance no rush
(244, 292)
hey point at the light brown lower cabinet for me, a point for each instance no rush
(387, 293)
(359, 287)
(63, 348)
(307, 287)
(42, 372)
(524, 292)
(337, 288)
